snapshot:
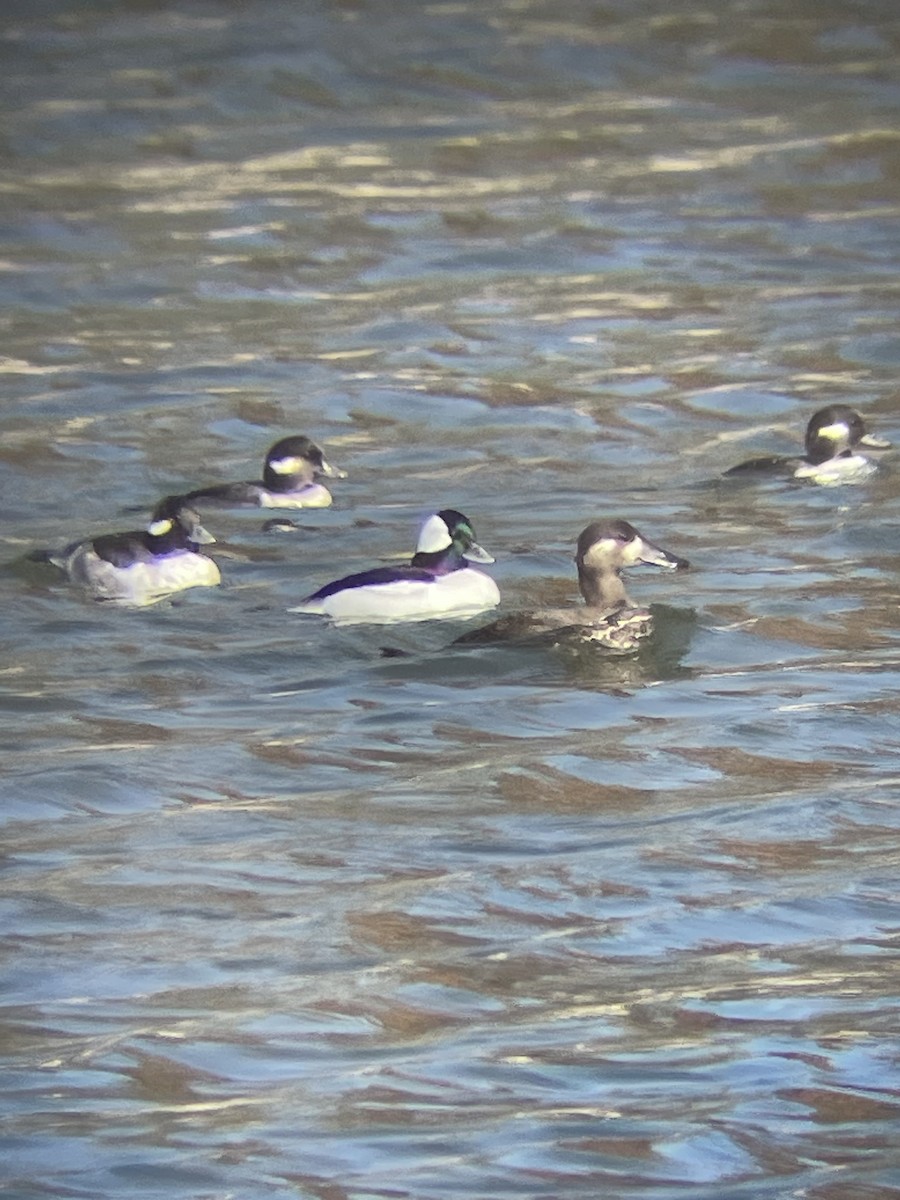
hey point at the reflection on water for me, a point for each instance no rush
(292, 910)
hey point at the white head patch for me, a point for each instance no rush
(433, 536)
(834, 432)
(159, 528)
(633, 552)
(603, 547)
(286, 466)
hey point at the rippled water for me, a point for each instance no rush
(286, 917)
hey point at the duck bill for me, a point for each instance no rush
(201, 536)
(476, 553)
(655, 556)
(331, 472)
(873, 442)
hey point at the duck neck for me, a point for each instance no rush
(274, 482)
(602, 589)
(439, 562)
(167, 543)
(821, 450)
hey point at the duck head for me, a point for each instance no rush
(176, 525)
(448, 535)
(835, 431)
(604, 549)
(295, 461)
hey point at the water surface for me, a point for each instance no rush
(287, 917)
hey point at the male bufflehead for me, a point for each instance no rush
(436, 583)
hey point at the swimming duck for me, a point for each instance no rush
(609, 618)
(289, 480)
(436, 583)
(144, 565)
(832, 437)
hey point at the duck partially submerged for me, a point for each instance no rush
(833, 437)
(290, 473)
(609, 618)
(142, 566)
(437, 583)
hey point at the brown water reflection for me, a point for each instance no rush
(284, 916)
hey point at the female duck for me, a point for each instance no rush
(436, 583)
(290, 471)
(145, 565)
(609, 617)
(832, 437)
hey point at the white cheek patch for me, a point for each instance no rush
(835, 433)
(286, 466)
(433, 536)
(159, 528)
(601, 551)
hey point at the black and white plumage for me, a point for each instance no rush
(291, 471)
(142, 566)
(833, 437)
(438, 582)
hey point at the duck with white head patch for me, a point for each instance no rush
(290, 480)
(437, 583)
(609, 618)
(833, 437)
(144, 565)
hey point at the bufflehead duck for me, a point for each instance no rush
(832, 437)
(143, 566)
(436, 583)
(609, 617)
(289, 480)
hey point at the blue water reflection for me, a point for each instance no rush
(294, 911)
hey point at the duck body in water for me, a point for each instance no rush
(142, 566)
(833, 437)
(291, 471)
(437, 583)
(609, 618)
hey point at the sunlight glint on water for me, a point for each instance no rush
(293, 911)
